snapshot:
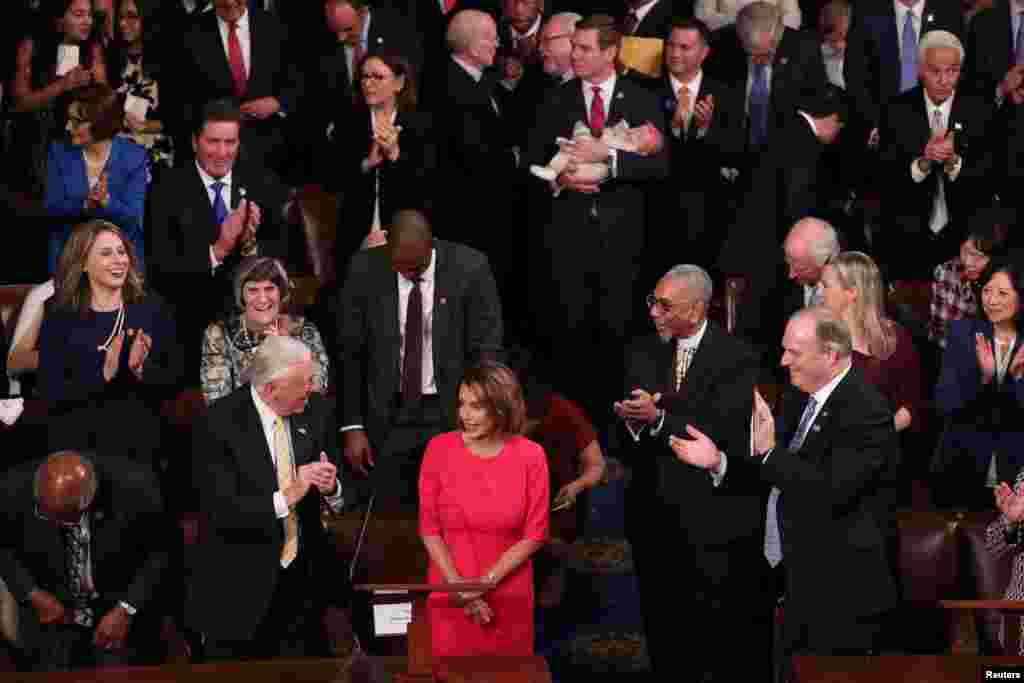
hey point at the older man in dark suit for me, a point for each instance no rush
(242, 53)
(414, 314)
(265, 463)
(84, 549)
(205, 216)
(831, 456)
(694, 373)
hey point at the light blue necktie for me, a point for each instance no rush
(220, 209)
(1018, 50)
(773, 525)
(908, 55)
(759, 106)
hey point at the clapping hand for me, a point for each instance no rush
(762, 427)
(99, 196)
(142, 344)
(641, 407)
(698, 450)
(1009, 503)
(703, 111)
(386, 136)
(112, 357)
(986, 359)
(1017, 364)
(112, 630)
(939, 148)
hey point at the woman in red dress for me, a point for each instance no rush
(484, 498)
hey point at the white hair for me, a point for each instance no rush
(273, 358)
(933, 40)
(822, 240)
(695, 279)
(759, 18)
(463, 29)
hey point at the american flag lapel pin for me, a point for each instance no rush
(302, 430)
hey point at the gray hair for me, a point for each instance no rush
(831, 332)
(273, 358)
(258, 269)
(463, 29)
(759, 18)
(822, 240)
(939, 39)
(91, 483)
(568, 19)
(695, 279)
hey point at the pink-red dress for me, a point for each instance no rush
(481, 508)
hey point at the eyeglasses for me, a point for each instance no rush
(376, 78)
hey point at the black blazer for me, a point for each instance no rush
(658, 21)
(905, 131)
(181, 228)
(871, 68)
(716, 398)
(838, 496)
(234, 475)
(407, 183)
(990, 43)
(130, 539)
(467, 326)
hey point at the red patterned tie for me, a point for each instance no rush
(238, 73)
(597, 115)
(449, 5)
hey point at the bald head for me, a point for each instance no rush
(810, 244)
(410, 242)
(65, 485)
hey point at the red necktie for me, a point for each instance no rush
(449, 5)
(237, 63)
(597, 115)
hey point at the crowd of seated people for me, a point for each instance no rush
(825, 156)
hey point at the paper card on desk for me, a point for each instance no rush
(136, 106)
(392, 620)
(643, 54)
(67, 60)
(10, 410)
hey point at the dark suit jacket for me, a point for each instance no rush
(716, 398)
(467, 326)
(905, 131)
(273, 72)
(872, 65)
(407, 183)
(1010, 160)
(658, 21)
(838, 500)
(990, 43)
(240, 557)
(130, 540)
(182, 228)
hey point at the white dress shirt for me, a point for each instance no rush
(244, 40)
(607, 93)
(693, 87)
(225, 193)
(833, 66)
(917, 9)
(427, 287)
(940, 212)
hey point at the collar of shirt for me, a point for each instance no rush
(529, 32)
(693, 85)
(693, 341)
(243, 23)
(607, 88)
(267, 418)
(474, 73)
(946, 107)
(917, 9)
(822, 394)
(428, 274)
(210, 180)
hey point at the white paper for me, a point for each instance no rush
(136, 106)
(67, 60)
(10, 410)
(393, 619)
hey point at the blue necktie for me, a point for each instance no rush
(1018, 49)
(774, 513)
(759, 107)
(908, 56)
(220, 209)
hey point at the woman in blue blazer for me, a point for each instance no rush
(95, 174)
(980, 393)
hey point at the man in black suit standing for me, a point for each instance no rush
(84, 549)
(594, 235)
(694, 374)
(415, 313)
(204, 216)
(831, 456)
(706, 126)
(264, 464)
(936, 156)
(235, 52)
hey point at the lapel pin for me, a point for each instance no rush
(815, 428)
(443, 301)
(379, 40)
(957, 126)
(783, 61)
(618, 96)
(931, 18)
(302, 430)
(98, 515)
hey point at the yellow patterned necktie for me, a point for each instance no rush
(285, 476)
(682, 363)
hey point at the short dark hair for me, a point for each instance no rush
(989, 228)
(690, 24)
(217, 111)
(609, 32)
(102, 107)
(355, 4)
(500, 393)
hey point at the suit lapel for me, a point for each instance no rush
(389, 316)
(218, 58)
(439, 323)
(203, 207)
(302, 440)
(254, 53)
(257, 445)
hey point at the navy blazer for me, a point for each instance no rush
(67, 186)
(982, 419)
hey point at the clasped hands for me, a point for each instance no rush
(700, 451)
(1009, 503)
(473, 604)
(384, 145)
(642, 406)
(323, 475)
(99, 195)
(584, 151)
(142, 344)
(940, 150)
(110, 633)
(240, 224)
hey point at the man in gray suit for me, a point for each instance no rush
(414, 314)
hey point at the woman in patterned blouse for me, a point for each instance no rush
(137, 79)
(261, 294)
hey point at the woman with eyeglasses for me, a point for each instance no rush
(59, 57)
(388, 155)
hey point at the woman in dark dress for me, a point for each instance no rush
(108, 352)
(393, 168)
(43, 74)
